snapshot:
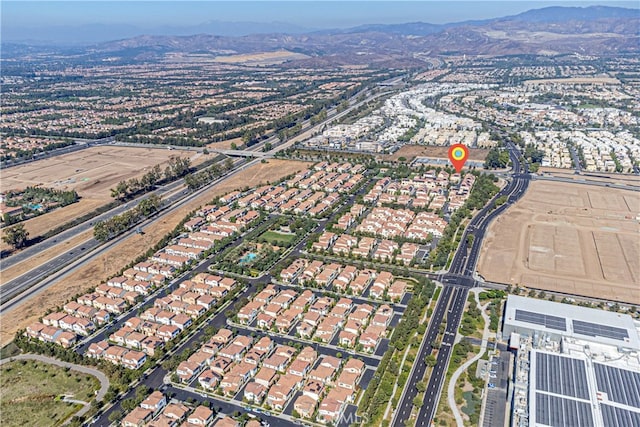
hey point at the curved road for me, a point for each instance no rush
(104, 381)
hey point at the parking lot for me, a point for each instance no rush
(497, 390)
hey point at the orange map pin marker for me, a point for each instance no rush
(458, 155)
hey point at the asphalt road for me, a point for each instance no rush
(168, 192)
(17, 290)
(457, 282)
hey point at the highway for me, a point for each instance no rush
(174, 195)
(457, 282)
(39, 278)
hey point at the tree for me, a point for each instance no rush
(417, 402)
(115, 416)
(421, 386)
(431, 360)
(16, 236)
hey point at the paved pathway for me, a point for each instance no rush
(104, 381)
(454, 378)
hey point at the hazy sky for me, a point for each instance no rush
(311, 14)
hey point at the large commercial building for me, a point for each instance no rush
(575, 366)
(554, 320)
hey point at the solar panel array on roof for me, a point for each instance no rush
(619, 417)
(551, 322)
(557, 411)
(621, 385)
(596, 330)
(561, 375)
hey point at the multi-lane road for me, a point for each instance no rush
(174, 195)
(450, 306)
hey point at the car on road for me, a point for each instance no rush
(492, 385)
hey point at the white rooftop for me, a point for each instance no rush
(567, 320)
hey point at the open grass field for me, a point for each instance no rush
(572, 238)
(31, 393)
(410, 152)
(92, 273)
(274, 237)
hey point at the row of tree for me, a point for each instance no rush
(202, 178)
(108, 229)
(176, 168)
(380, 389)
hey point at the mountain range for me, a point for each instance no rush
(595, 30)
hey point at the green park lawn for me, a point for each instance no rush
(274, 237)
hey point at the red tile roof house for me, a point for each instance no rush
(187, 370)
(151, 344)
(276, 362)
(237, 348)
(280, 393)
(330, 410)
(305, 406)
(266, 376)
(49, 333)
(182, 321)
(134, 340)
(255, 392)
(209, 380)
(347, 380)
(272, 309)
(34, 330)
(347, 338)
(248, 313)
(66, 339)
(285, 321)
(299, 368)
(176, 411)
(53, 319)
(327, 328)
(201, 416)
(154, 402)
(120, 335)
(305, 330)
(168, 332)
(137, 418)
(265, 321)
(96, 350)
(323, 374)
(313, 389)
(134, 359)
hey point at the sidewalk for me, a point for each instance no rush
(456, 375)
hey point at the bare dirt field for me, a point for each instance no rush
(573, 238)
(261, 58)
(99, 269)
(91, 172)
(412, 151)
